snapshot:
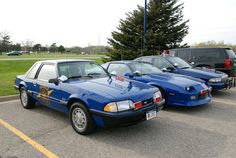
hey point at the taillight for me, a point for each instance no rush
(227, 63)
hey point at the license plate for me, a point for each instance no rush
(151, 114)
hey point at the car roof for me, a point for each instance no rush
(56, 61)
(201, 48)
(123, 61)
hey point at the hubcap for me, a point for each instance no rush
(24, 97)
(79, 119)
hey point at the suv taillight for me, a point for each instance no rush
(227, 63)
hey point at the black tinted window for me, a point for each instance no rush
(47, 72)
(161, 63)
(33, 71)
(207, 54)
(119, 69)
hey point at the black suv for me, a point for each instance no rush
(222, 59)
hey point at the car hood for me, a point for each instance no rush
(175, 79)
(116, 88)
(202, 73)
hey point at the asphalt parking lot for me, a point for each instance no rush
(206, 131)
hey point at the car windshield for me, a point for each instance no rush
(80, 69)
(144, 68)
(178, 62)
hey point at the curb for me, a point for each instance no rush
(9, 98)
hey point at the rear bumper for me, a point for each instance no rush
(126, 117)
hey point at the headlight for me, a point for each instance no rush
(119, 106)
(157, 97)
(189, 89)
(215, 80)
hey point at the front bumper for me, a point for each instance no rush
(126, 117)
(222, 85)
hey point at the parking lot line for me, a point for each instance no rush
(36, 145)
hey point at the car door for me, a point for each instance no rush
(31, 80)
(49, 94)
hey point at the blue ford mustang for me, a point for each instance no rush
(176, 89)
(216, 79)
(85, 91)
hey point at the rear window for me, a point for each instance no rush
(230, 53)
(206, 54)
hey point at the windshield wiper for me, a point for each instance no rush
(185, 67)
(94, 73)
(73, 77)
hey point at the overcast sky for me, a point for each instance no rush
(90, 22)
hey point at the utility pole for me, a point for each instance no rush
(144, 24)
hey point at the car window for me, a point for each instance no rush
(47, 72)
(84, 68)
(206, 54)
(144, 68)
(32, 72)
(178, 62)
(184, 54)
(161, 63)
(230, 53)
(119, 69)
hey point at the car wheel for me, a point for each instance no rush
(81, 119)
(26, 101)
(163, 95)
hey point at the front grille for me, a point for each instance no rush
(203, 96)
(147, 102)
(225, 79)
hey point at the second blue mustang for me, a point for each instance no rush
(176, 89)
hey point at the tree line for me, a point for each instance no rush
(6, 45)
(215, 44)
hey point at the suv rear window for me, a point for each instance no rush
(230, 53)
(206, 54)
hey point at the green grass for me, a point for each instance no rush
(52, 55)
(10, 69)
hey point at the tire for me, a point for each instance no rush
(163, 95)
(26, 100)
(80, 119)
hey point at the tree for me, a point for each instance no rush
(16, 47)
(165, 29)
(5, 42)
(27, 45)
(37, 47)
(53, 48)
(61, 49)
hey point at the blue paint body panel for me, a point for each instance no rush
(173, 85)
(95, 93)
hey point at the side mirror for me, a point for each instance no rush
(168, 69)
(192, 63)
(113, 73)
(63, 78)
(137, 73)
(165, 70)
(130, 75)
(54, 80)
